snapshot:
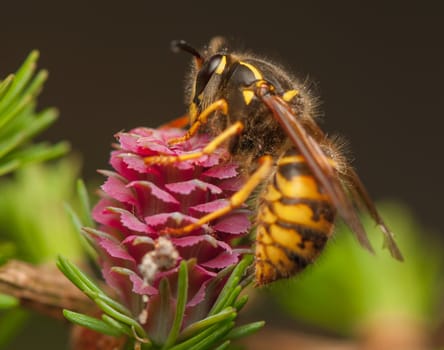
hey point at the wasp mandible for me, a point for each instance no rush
(302, 179)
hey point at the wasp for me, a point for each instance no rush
(299, 174)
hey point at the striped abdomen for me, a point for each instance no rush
(295, 219)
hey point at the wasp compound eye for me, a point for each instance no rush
(206, 72)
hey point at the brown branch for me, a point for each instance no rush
(42, 288)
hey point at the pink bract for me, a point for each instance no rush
(140, 201)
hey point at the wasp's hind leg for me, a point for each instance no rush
(236, 200)
(231, 131)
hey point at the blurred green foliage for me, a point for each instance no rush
(347, 286)
(33, 224)
(29, 207)
(20, 122)
(217, 328)
(32, 213)
(11, 323)
(35, 227)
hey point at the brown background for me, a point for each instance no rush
(378, 70)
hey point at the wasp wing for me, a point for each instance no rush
(322, 169)
(362, 198)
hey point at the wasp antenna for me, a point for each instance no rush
(182, 45)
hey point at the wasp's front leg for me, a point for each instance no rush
(231, 131)
(202, 118)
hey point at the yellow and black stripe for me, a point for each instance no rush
(295, 219)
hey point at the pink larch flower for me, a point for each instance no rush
(140, 202)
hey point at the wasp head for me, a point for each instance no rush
(233, 77)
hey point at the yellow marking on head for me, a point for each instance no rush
(221, 66)
(253, 69)
(192, 111)
(288, 95)
(248, 96)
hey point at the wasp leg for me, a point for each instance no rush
(236, 200)
(180, 122)
(232, 130)
(219, 105)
